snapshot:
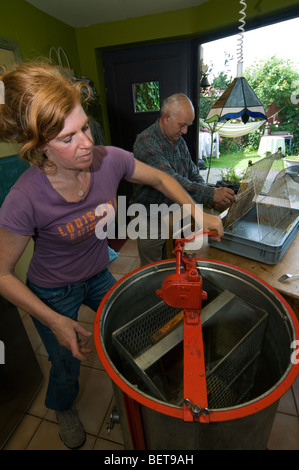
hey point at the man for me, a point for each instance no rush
(162, 146)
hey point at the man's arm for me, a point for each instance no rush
(149, 151)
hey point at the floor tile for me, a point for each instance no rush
(287, 403)
(94, 398)
(23, 434)
(129, 249)
(285, 433)
(46, 438)
(122, 265)
(102, 444)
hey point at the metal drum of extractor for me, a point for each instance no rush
(249, 337)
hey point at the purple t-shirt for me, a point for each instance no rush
(66, 248)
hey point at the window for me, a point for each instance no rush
(146, 97)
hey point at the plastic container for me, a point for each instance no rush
(242, 238)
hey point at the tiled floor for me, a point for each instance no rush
(38, 430)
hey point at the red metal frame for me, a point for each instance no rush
(132, 409)
(184, 290)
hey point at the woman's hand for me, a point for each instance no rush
(66, 331)
(13, 289)
(213, 223)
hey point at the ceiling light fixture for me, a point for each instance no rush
(239, 101)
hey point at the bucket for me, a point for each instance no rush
(248, 332)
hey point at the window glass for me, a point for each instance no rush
(146, 97)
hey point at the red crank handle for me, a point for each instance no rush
(212, 233)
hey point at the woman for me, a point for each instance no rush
(54, 202)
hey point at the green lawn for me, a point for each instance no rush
(234, 165)
(239, 160)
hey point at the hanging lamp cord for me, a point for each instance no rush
(241, 28)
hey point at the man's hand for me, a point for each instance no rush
(223, 198)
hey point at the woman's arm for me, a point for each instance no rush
(15, 291)
(167, 185)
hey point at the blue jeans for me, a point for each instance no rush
(63, 384)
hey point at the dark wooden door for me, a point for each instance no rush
(172, 64)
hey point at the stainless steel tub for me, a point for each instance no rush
(151, 422)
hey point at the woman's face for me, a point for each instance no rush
(72, 147)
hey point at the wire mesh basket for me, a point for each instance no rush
(233, 334)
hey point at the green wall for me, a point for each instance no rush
(36, 32)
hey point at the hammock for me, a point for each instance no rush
(229, 129)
